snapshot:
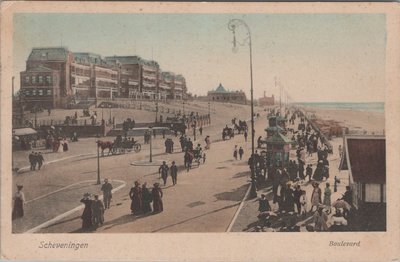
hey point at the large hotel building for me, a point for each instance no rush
(56, 77)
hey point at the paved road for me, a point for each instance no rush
(205, 199)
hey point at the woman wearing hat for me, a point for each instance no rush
(136, 196)
(157, 198)
(315, 196)
(146, 199)
(19, 201)
(87, 212)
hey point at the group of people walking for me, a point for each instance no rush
(93, 213)
(35, 159)
(237, 152)
(164, 170)
(141, 199)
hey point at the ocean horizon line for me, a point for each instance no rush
(364, 106)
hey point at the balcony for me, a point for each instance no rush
(150, 77)
(163, 86)
(149, 68)
(102, 79)
(133, 83)
(150, 85)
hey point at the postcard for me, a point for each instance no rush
(200, 131)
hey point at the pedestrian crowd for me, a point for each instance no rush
(288, 196)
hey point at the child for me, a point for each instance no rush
(303, 202)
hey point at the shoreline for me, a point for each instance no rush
(358, 121)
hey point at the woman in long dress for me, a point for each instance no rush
(65, 145)
(289, 199)
(136, 196)
(87, 212)
(315, 196)
(157, 198)
(19, 201)
(208, 142)
(60, 146)
(147, 199)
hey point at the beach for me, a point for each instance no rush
(357, 121)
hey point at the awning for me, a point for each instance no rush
(24, 131)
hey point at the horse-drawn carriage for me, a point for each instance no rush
(227, 133)
(119, 146)
(241, 127)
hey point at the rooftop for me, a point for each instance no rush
(49, 54)
(132, 60)
(278, 138)
(221, 90)
(366, 158)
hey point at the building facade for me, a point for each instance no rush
(220, 94)
(56, 77)
(365, 159)
(266, 101)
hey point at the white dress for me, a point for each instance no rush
(61, 147)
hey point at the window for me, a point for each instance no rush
(373, 193)
(34, 92)
(33, 79)
(49, 92)
(48, 79)
(123, 80)
(27, 79)
(40, 79)
(40, 92)
(27, 92)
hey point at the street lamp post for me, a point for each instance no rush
(98, 163)
(183, 107)
(102, 113)
(194, 130)
(209, 112)
(156, 111)
(110, 113)
(232, 25)
(151, 139)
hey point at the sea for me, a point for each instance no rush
(371, 106)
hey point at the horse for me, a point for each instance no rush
(241, 127)
(105, 144)
(188, 159)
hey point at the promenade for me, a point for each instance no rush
(204, 200)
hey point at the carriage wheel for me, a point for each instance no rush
(122, 150)
(137, 147)
(113, 151)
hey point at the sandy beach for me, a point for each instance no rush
(356, 120)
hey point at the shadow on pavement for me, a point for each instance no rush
(235, 195)
(241, 174)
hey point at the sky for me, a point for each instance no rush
(314, 57)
